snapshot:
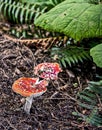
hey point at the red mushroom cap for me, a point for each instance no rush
(47, 70)
(29, 86)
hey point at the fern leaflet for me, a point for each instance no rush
(17, 12)
(91, 98)
(70, 54)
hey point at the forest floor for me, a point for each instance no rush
(51, 111)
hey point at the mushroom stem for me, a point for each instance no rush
(28, 104)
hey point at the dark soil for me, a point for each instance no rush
(51, 111)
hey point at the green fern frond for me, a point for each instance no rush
(95, 118)
(95, 87)
(56, 2)
(91, 98)
(26, 31)
(70, 54)
(88, 95)
(20, 13)
(31, 33)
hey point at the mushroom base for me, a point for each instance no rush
(28, 104)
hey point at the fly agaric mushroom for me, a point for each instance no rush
(29, 88)
(47, 70)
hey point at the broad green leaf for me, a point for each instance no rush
(96, 53)
(78, 19)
